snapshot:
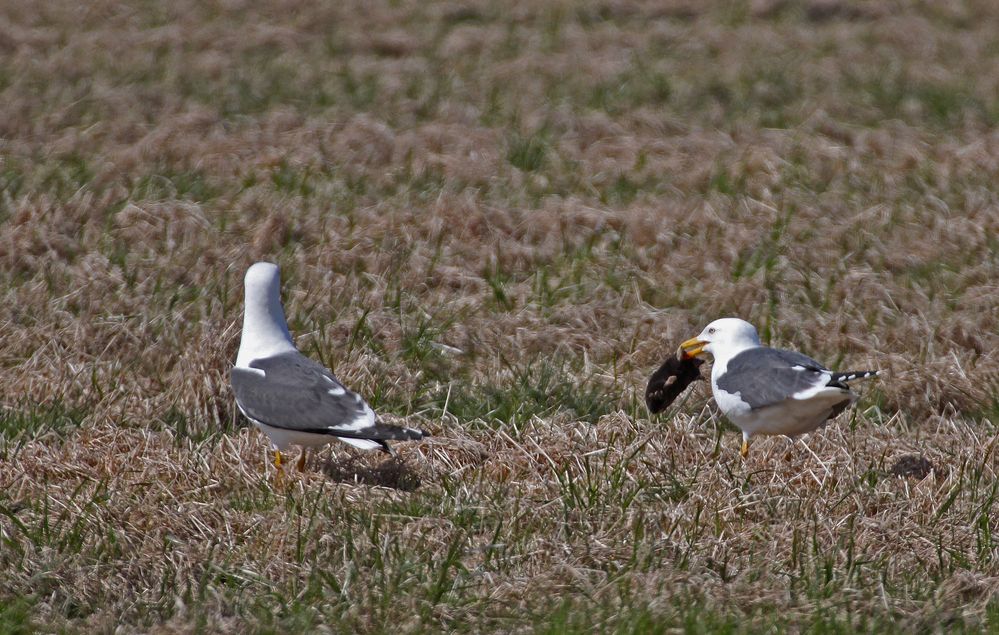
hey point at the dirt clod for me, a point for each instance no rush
(910, 465)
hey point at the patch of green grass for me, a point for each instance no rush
(68, 174)
(725, 180)
(423, 336)
(597, 483)
(944, 103)
(897, 95)
(26, 422)
(638, 87)
(498, 281)
(168, 184)
(62, 176)
(254, 498)
(361, 89)
(764, 255)
(990, 410)
(12, 182)
(187, 428)
(684, 613)
(528, 152)
(538, 390)
(621, 191)
(292, 180)
(766, 93)
(12, 179)
(68, 530)
(676, 614)
(15, 615)
(264, 77)
(423, 185)
(773, 91)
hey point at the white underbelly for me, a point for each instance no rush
(790, 417)
(282, 439)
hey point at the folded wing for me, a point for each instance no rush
(292, 392)
(767, 376)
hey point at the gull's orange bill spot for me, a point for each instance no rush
(692, 348)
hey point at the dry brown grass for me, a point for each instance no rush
(561, 192)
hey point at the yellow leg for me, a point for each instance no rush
(301, 461)
(745, 448)
(279, 475)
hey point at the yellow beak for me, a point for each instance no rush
(692, 348)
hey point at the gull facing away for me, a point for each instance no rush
(292, 399)
(769, 390)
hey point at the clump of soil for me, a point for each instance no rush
(910, 465)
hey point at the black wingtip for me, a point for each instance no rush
(854, 375)
(401, 434)
(380, 433)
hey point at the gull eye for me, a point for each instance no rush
(711, 330)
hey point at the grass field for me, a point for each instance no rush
(495, 220)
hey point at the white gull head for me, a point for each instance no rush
(723, 339)
(265, 331)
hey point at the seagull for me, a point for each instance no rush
(769, 390)
(291, 398)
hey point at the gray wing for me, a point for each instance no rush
(766, 376)
(296, 393)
